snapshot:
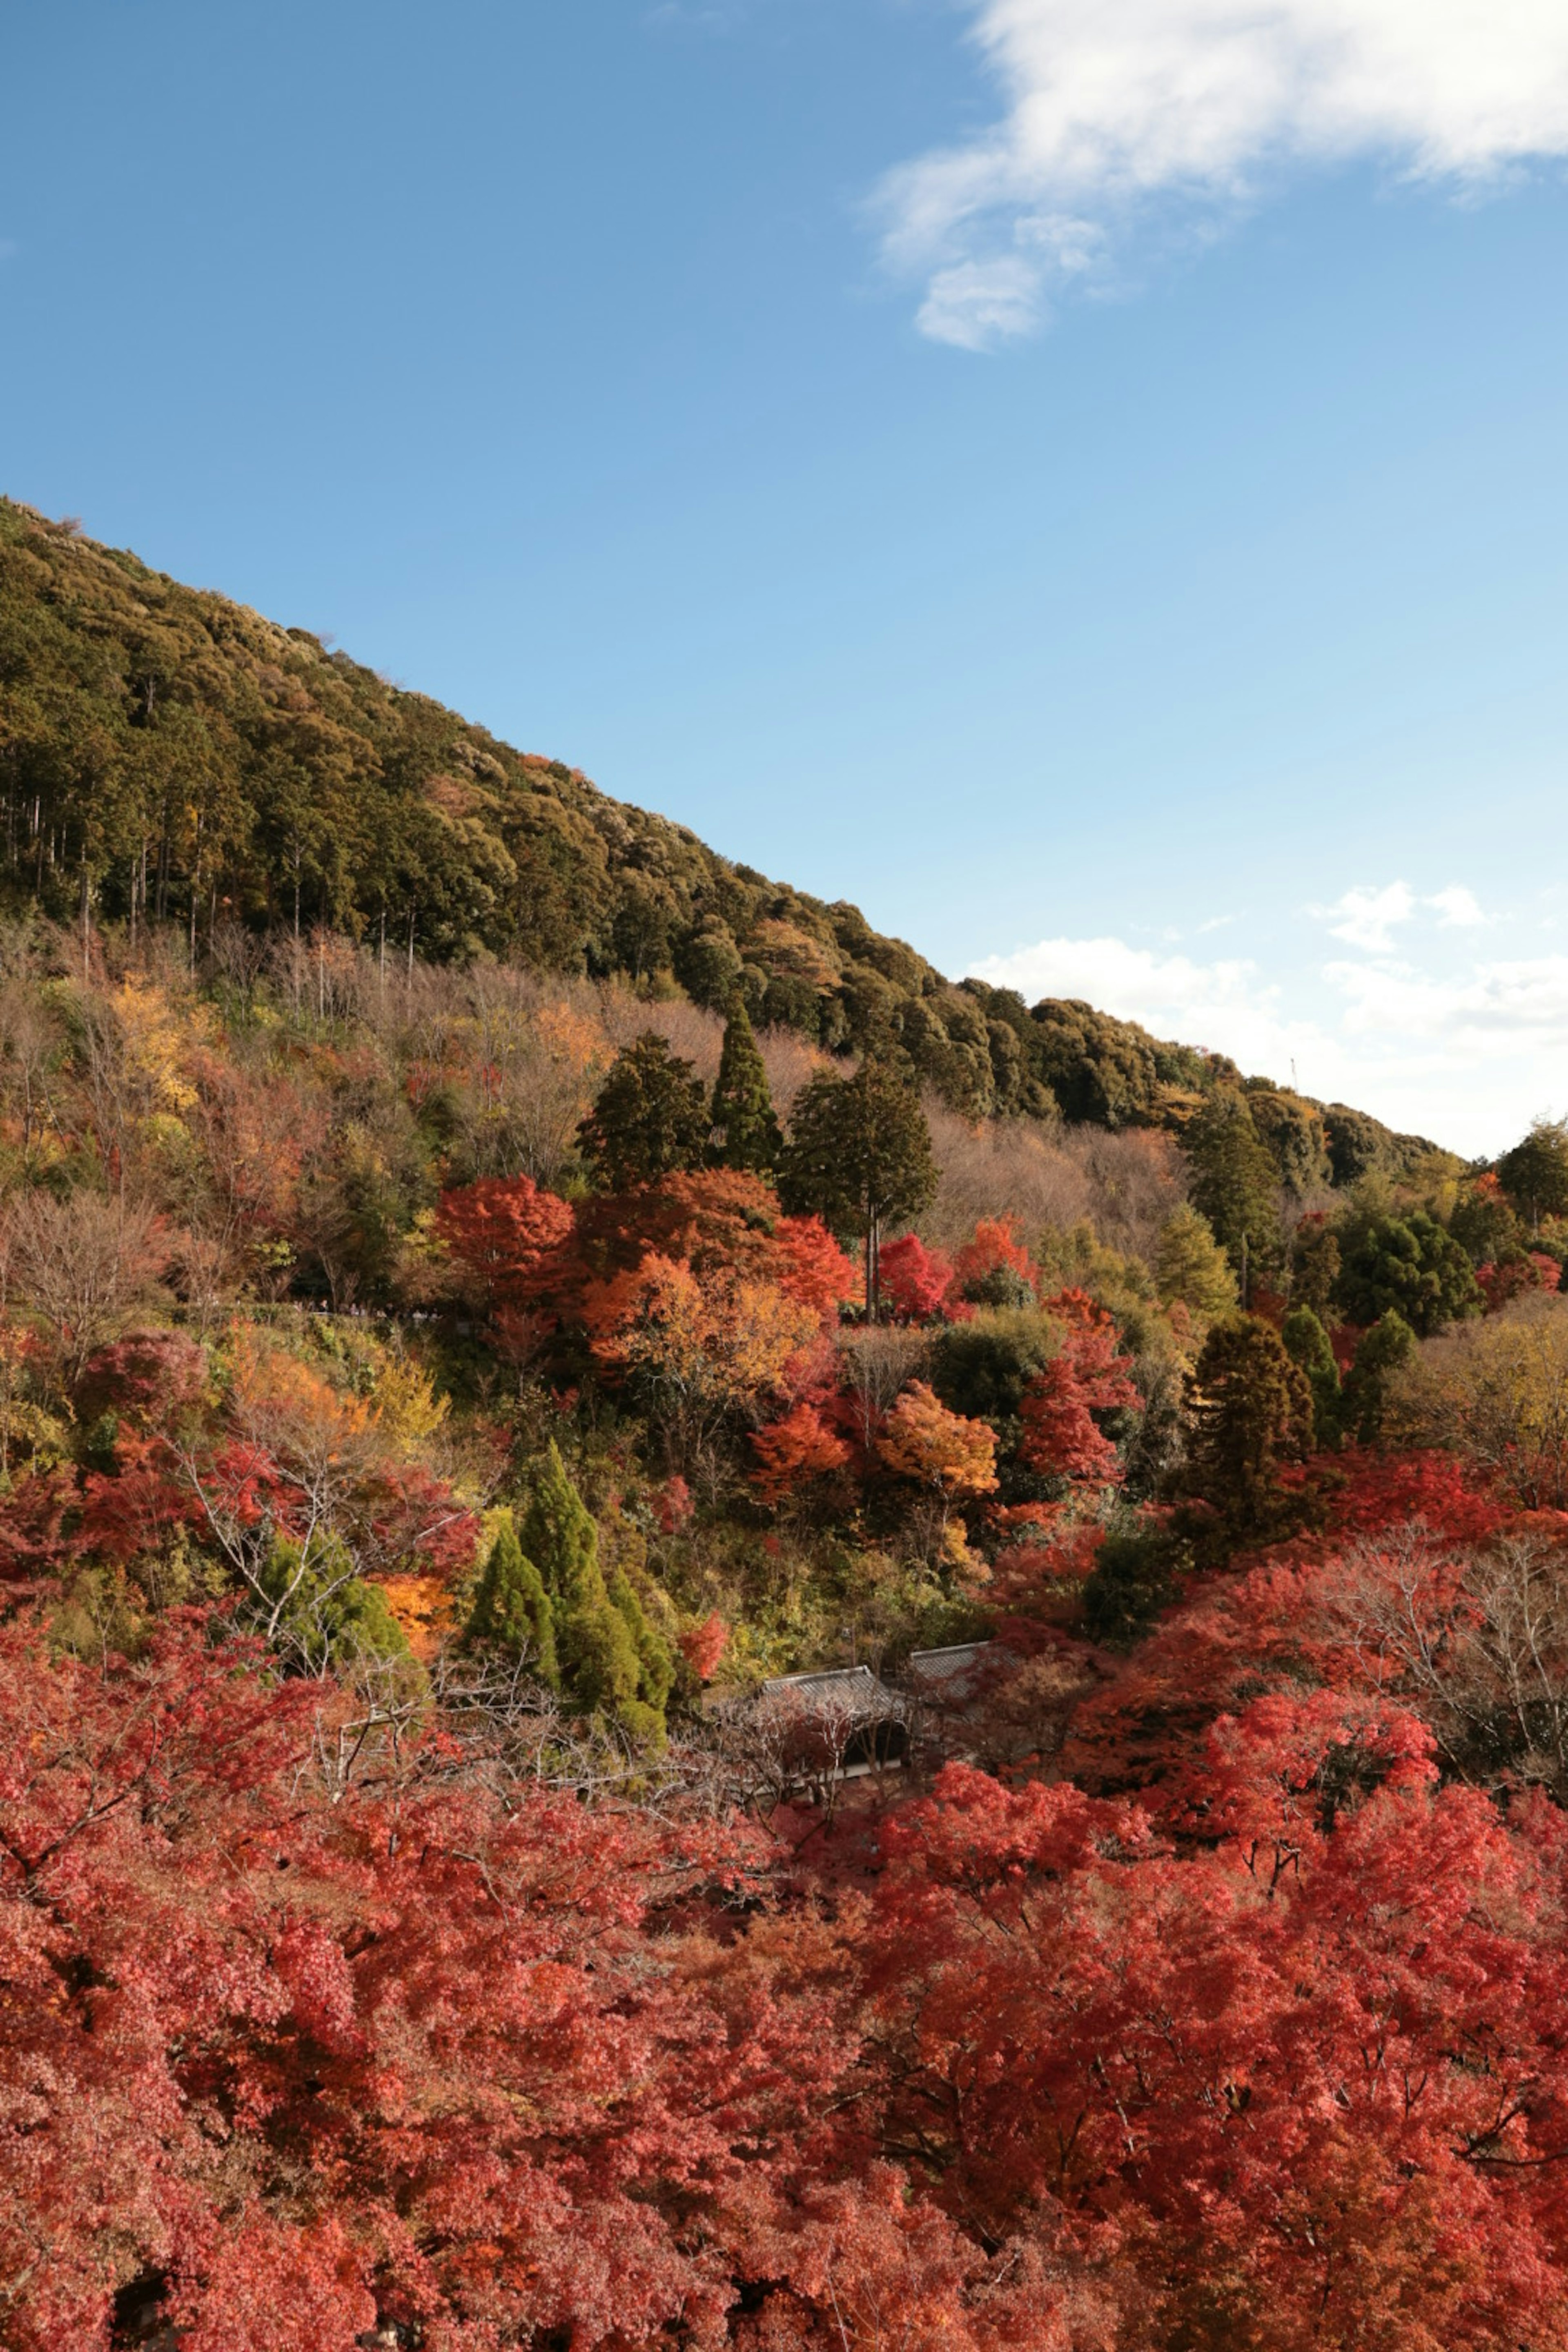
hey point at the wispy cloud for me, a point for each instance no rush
(1111, 107)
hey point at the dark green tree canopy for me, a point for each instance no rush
(1249, 1412)
(859, 1156)
(1235, 1178)
(745, 1132)
(1308, 1345)
(650, 1119)
(1315, 1260)
(1410, 1263)
(168, 757)
(1388, 1344)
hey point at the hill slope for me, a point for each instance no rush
(169, 756)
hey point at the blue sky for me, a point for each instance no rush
(1087, 485)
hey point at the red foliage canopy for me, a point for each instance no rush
(1061, 1438)
(914, 1280)
(506, 1234)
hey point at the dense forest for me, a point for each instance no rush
(705, 1643)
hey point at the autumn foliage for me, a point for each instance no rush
(414, 1927)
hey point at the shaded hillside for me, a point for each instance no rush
(168, 756)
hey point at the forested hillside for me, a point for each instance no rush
(171, 757)
(705, 1645)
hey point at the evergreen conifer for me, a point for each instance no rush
(859, 1155)
(1249, 1412)
(1234, 1181)
(1309, 1347)
(511, 1612)
(651, 1118)
(608, 1655)
(1190, 1264)
(746, 1133)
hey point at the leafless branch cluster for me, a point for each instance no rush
(1126, 1185)
(1477, 1640)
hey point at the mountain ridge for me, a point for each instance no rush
(169, 755)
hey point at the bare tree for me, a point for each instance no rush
(1477, 1640)
(879, 1360)
(83, 1265)
(30, 1046)
(1123, 1185)
(807, 1738)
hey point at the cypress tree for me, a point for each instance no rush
(656, 1666)
(1381, 1349)
(511, 1612)
(1190, 1264)
(746, 1133)
(559, 1536)
(1309, 1350)
(606, 1651)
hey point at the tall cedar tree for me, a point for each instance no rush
(511, 1616)
(1308, 1345)
(1315, 1266)
(1250, 1410)
(650, 1119)
(1234, 1181)
(745, 1132)
(859, 1156)
(612, 1662)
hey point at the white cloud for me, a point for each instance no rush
(1366, 918)
(1113, 104)
(1457, 906)
(977, 303)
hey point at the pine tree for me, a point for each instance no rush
(746, 1133)
(512, 1613)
